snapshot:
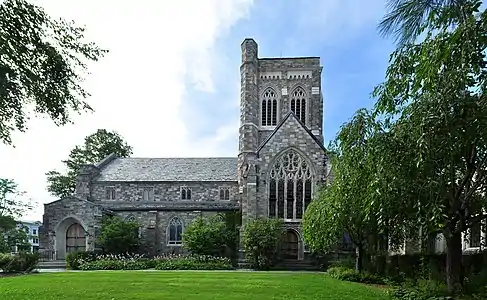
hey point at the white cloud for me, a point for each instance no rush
(137, 88)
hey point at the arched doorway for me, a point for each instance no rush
(75, 238)
(290, 245)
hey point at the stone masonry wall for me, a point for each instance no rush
(163, 191)
(86, 212)
(154, 228)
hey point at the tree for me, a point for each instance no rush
(347, 204)
(42, 63)
(10, 209)
(434, 100)
(261, 238)
(96, 147)
(407, 19)
(119, 236)
(209, 236)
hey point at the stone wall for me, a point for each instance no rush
(163, 191)
(154, 228)
(62, 213)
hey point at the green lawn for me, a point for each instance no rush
(183, 285)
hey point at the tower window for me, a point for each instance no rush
(298, 104)
(269, 108)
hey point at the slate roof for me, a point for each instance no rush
(170, 169)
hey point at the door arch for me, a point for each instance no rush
(75, 238)
(290, 245)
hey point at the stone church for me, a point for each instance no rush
(281, 162)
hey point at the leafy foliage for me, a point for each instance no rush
(119, 236)
(347, 204)
(91, 261)
(96, 147)
(18, 263)
(194, 262)
(209, 236)
(11, 207)
(42, 63)
(260, 239)
(434, 101)
(407, 19)
(74, 259)
(348, 274)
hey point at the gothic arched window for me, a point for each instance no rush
(269, 108)
(289, 186)
(298, 104)
(175, 231)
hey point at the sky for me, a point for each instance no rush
(170, 83)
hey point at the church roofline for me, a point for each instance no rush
(289, 58)
(300, 123)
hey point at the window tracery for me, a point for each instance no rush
(289, 186)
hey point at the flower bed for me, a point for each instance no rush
(194, 262)
(89, 261)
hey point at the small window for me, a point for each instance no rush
(185, 193)
(147, 194)
(224, 193)
(110, 193)
(36, 241)
(34, 231)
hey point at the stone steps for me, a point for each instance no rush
(52, 264)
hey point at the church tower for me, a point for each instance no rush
(281, 160)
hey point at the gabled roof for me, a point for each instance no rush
(170, 169)
(287, 116)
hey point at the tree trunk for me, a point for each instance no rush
(454, 265)
(359, 260)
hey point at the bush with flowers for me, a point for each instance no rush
(194, 262)
(89, 261)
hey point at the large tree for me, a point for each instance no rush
(433, 96)
(347, 204)
(96, 147)
(42, 64)
(12, 206)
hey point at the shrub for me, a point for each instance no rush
(211, 236)
(260, 240)
(194, 262)
(348, 274)
(114, 262)
(119, 236)
(421, 289)
(73, 259)
(22, 262)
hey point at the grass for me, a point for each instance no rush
(185, 285)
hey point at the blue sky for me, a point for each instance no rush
(353, 55)
(170, 83)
